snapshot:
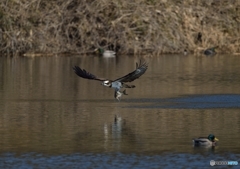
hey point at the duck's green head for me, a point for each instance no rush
(212, 138)
(213, 48)
(100, 50)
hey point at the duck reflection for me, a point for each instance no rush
(203, 149)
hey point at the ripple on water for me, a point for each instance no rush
(113, 160)
(192, 102)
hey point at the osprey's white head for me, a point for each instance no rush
(107, 83)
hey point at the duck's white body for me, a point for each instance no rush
(105, 53)
(109, 53)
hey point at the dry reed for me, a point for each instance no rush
(128, 27)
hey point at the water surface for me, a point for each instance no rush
(50, 118)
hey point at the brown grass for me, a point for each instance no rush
(128, 27)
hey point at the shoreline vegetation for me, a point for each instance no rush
(127, 27)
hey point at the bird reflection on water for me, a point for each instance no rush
(118, 134)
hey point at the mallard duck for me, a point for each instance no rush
(210, 51)
(205, 141)
(105, 53)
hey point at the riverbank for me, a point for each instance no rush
(136, 27)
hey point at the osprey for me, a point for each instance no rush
(118, 83)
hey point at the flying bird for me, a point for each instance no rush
(118, 83)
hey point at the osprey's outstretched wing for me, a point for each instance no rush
(140, 70)
(86, 75)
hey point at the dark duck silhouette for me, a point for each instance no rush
(210, 51)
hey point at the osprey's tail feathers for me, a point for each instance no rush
(128, 86)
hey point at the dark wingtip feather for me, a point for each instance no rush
(84, 74)
(141, 68)
(78, 71)
(142, 63)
